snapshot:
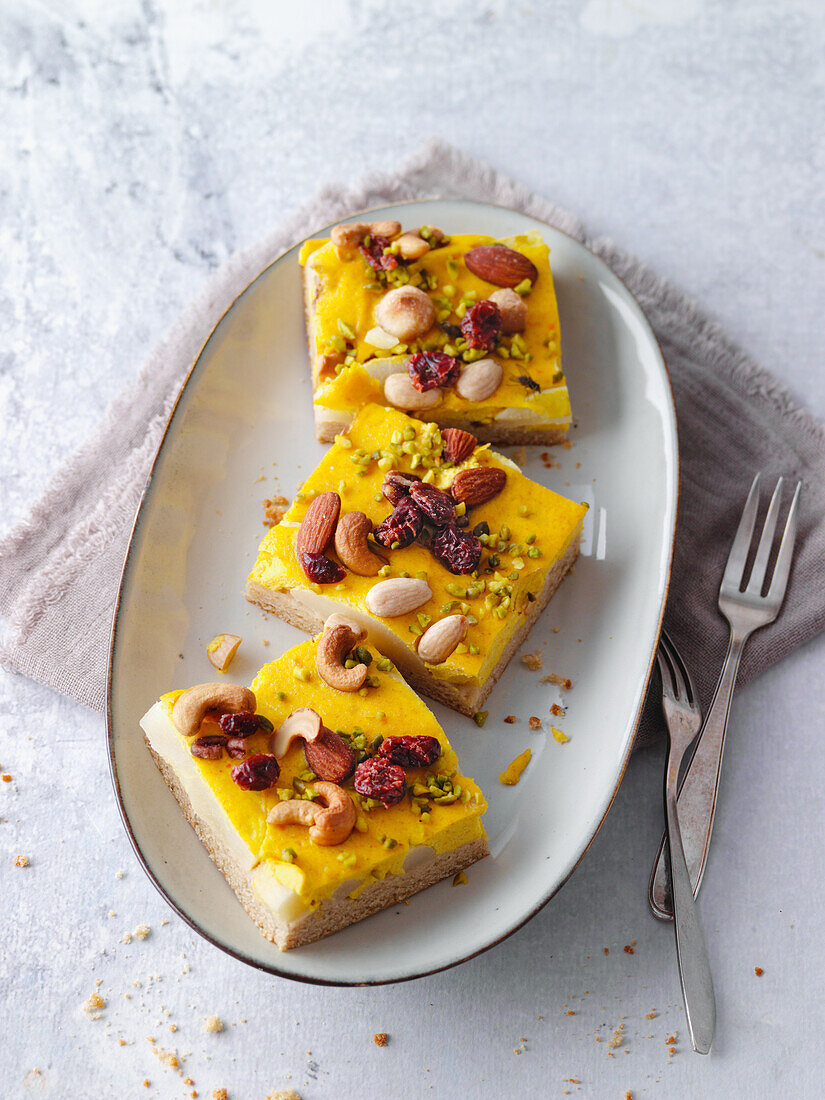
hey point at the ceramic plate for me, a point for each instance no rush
(242, 431)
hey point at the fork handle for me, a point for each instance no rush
(694, 966)
(700, 786)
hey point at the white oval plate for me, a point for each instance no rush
(245, 411)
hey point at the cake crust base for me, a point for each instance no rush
(335, 913)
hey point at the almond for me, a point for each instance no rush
(387, 228)
(477, 485)
(397, 596)
(411, 246)
(439, 640)
(458, 444)
(513, 310)
(330, 757)
(500, 265)
(352, 547)
(479, 380)
(318, 525)
(400, 392)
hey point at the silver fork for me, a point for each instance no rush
(746, 610)
(683, 718)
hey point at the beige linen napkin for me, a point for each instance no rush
(60, 568)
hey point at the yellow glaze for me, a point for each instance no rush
(317, 872)
(344, 295)
(552, 519)
(512, 773)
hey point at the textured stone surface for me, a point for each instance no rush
(140, 144)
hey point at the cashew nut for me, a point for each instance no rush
(192, 706)
(406, 312)
(336, 642)
(303, 722)
(349, 235)
(352, 547)
(337, 619)
(328, 824)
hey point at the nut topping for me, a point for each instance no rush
(458, 444)
(222, 649)
(335, 643)
(352, 545)
(440, 639)
(349, 235)
(402, 394)
(411, 247)
(330, 757)
(193, 705)
(500, 265)
(406, 312)
(397, 596)
(303, 722)
(477, 484)
(479, 380)
(388, 229)
(318, 525)
(329, 824)
(513, 310)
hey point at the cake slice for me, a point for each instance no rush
(463, 328)
(441, 549)
(308, 791)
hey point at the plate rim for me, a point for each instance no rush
(110, 751)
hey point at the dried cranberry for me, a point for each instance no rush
(236, 748)
(320, 569)
(258, 773)
(243, 724)
(208, 748)
(396, 486)
(411, 751)
(429, 369)
(403, 525)
(482, 325)
(375, 256)
(436, 505)
(459, 550)
(378, 778)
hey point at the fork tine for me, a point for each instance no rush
(665, 671)
(676, 660)
(763, 551)
(742, 542)
(779, 581)
(679, 689)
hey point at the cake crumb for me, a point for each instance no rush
(168, 1057)
(275, 510)
(616, 1038)
(606, 950)
(219, 1094)
(213, 1024)
(510, 719)
(531, 661)
(5, 777)
(650, 1016)
(21, 861)
(460, 879)
(283, 1094)
(758, 971)
(142, 931)
(381, 1039)
(559, 735)
(173, 1027)
(554, 678)
(92, 1006)
(533, 722)
(119, 874)
(557, 711)
(628, 949)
